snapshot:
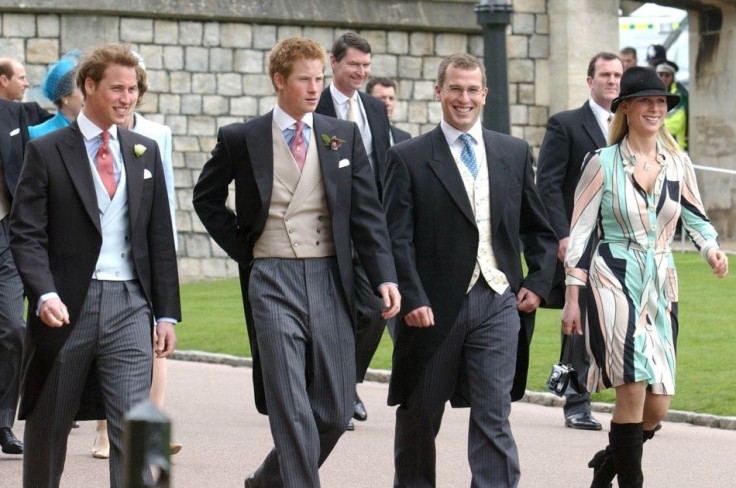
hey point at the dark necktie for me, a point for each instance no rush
(105, 166)
(298, 148)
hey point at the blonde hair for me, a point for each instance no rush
(620, 128)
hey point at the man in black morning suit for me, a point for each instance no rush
(13, 138)
(13, 84)
(351, 67)
(570, 136)
(459, 202)
(384, 89)
(305, 200)
(92, 239)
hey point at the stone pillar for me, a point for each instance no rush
(578, 30)
(712, 106)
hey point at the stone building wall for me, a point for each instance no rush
(205, 73)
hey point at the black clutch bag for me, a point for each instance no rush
(563, 376)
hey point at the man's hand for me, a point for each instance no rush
(420, 317)
(527, 301)
(165, 340)
(391, 300)
(718, 262)
(53, 313)
(562, 249)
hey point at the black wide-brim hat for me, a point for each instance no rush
(643, 82)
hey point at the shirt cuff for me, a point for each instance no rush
(166, 319)
(42, 300)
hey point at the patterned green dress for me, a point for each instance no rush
(620, 250)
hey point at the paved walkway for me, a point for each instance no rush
(225, 438)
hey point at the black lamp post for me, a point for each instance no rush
(493, 16)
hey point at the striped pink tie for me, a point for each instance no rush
(298, 148)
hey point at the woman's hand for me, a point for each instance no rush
(571, 312)
(718, 262)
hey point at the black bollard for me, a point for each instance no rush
(146, 434)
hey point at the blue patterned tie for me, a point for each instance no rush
(468, 155)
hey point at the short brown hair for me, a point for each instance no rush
(94, 63)
(348, 40)
(288, 51)
(601, 55)
(461, 61)
(387, 82)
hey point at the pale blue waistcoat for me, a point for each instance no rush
(115, 262)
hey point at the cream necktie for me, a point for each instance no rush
(351, 116)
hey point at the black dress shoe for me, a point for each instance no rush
(359, 412)
(582, 421)
(250, 481)
(10, 443)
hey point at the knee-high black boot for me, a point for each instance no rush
(626, 443)
(604, 469)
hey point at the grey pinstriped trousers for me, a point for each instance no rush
(12, 328)
(114, 335)
(477, 361)
(307, 348)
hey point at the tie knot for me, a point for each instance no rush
(299, 126)
(467, 139)
(105, 135)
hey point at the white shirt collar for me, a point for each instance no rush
(452, 134)
(90, 130)
(600, 113)
(285, 121)
(339, 96)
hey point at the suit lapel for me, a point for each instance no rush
(326, 106)
(591, 127)
(134, 167)
(74, 156)
(259, 143)
(443, 165)
(496, 160)
(328, 159)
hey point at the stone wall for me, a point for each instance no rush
(205, 73)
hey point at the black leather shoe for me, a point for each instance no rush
(351, 426)
(250, 481)
(10, 443)
(359, 412)
(582, 421)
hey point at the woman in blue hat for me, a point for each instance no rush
(627, 203)
(60, 87)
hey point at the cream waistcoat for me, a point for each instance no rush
(298, 223)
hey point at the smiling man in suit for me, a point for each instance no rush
(351, 66)
(303, 190)
(91, 236)
(459, 202)
(13, 138)
(570, 136)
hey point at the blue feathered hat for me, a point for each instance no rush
(60, 78)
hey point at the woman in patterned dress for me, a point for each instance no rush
(627, 204)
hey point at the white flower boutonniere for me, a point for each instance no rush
(139, 149)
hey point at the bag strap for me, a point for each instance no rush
(566, 350)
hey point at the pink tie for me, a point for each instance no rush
(298, 148)
(104, 165)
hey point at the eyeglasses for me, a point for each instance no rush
(457, 91)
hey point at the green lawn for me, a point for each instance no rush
(706, 382)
